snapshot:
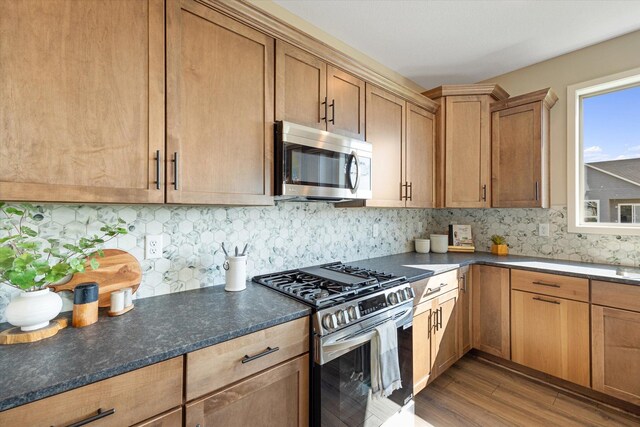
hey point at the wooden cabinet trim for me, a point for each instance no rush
(545, 96)
(495, 91)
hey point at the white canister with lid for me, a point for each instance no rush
(439, 243)
(235, 273)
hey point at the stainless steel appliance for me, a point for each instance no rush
(348, 303)
(315, 165)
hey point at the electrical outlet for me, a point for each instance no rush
(376, 230)
(153, 246)
(543, 230)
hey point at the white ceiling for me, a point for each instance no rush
(436, 42)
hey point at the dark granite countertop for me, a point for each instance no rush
(158, 329)
(166, 326)
(417, 266)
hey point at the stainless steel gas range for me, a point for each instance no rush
(348, 303)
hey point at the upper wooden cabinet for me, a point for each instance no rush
(313, 93)
(464, 144)
(420, 158)
(81, 105)
(520, 150)
(220, 76)
(490, 310)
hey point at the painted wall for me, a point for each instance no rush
(609, 57)
(286, 236)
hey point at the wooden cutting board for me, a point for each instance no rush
(118, 269)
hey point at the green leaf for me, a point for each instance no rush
(22, 279)
(42, 267)
(6, 252)
(14, 211)
(94, 264)
(6, 239)
(72, 248)
(121, 230)
(30, 246)
(121, 221)
(2, 204)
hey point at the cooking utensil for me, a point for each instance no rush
(224, 249)
(118, 269)
(244, 251)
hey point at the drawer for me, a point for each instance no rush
(218, 366)
(573, 288)
(616, 295)
(129, 395)
(431, 287)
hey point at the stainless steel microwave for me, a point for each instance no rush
(315, 165)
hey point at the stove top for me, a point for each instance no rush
(329, 284)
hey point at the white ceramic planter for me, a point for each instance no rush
(33, 310)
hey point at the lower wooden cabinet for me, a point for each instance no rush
(445, 332)
(615, 340)
(551, 335)
(278, 397)
(465, 339)
(170, 419)
(490, 308)
(124, 400)
(422, 357)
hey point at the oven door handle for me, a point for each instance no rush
(362, 338)
(354, 160)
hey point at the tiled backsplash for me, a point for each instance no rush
(288, 235)
(292, 235)
(520, 227)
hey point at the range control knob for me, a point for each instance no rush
(329, 321)
(401, 296)
(343, 317)
(392, 298)
(408, 292)
(353, 312)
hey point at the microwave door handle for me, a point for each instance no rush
(354, 157)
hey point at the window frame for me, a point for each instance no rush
(633, 206)
(575, 160)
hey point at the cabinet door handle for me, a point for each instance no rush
(410, 191)
(333, 112)
(175, 170)
(430, 325)
(101, 414)
(158, 170)
(403, 191)
(433, 291)
(269, 350)
(464, 283)
(551, 285)
(546, 300)
(325, 110)
(440, 318)
(537, 196)
(484, 192)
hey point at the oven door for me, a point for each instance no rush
(342, 379)
(317, 164)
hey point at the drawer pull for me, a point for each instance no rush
(434, 290)
(551, 285)
(269, 350)
(101, 414)
(546, 300)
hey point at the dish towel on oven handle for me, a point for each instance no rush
(385, 367)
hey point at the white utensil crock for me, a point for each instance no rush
(33, 310)
(423, 246)
(236, 273)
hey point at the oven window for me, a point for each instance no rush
(315, 167)
(345, 387)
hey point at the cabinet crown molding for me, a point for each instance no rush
(547, 96)
(494, 90)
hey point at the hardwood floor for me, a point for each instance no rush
(476, 393)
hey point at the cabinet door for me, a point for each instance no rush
(490, 310)
(220, 77)
(445, 345)
(386, 132)
(464, 312)
(278, 397)
(81, 106)
(301, 87)
(615, 340)
(468, 152)
(551, 335)
(346, 97)
(170, 419)
(517, 157)
(422, 362)
(420, 160)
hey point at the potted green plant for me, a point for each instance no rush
(31, 263)
(499, 246)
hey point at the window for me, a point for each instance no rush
(603, 138)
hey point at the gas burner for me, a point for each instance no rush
(328, 284)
